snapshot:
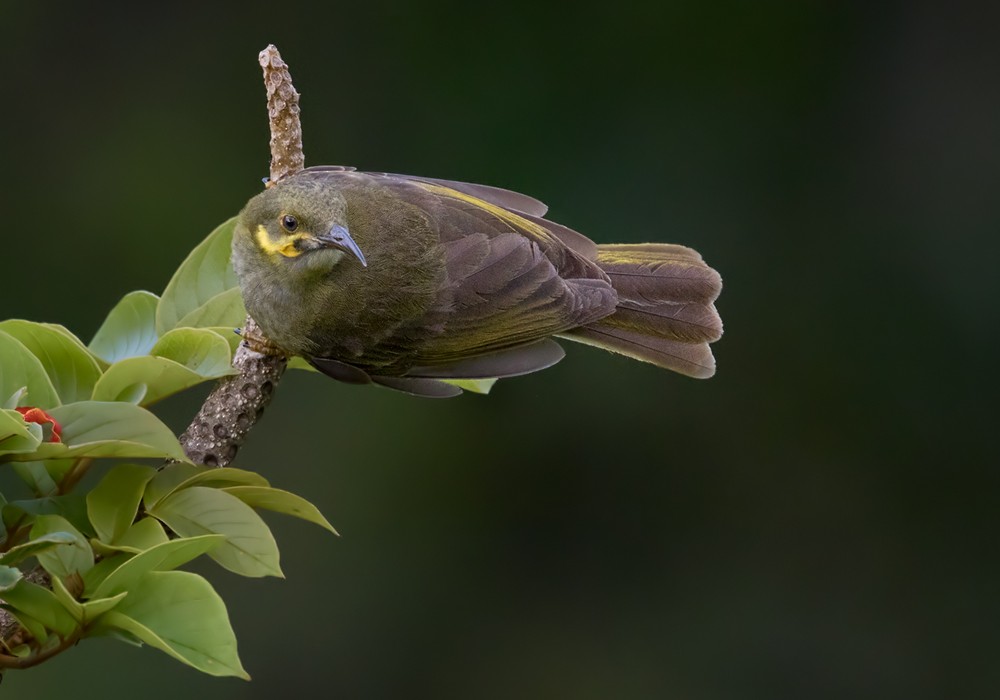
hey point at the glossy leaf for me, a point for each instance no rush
(17, 436)
(280, 502)
(206, 273)
(9, 576)
(249, 549)
(84, 613)
(69, 365)
(66, 599)
(167, 480)
(181, 476)
(143, 535)
(36, 477)
(101, 570)
(202, 351)
(181, 614)
(181, 359)
(113, 503)
(129, 330)
(41, 604)
(63, 560)
(224, 309)
(93, 609)
(229, 334)
(15, 555)
(144, 380)
(70, 506)
(108, 429)
(300, 364)
(162, 557)
(19, 368)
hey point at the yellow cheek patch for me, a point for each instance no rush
(286, 246)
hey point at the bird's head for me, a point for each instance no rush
(299, 226)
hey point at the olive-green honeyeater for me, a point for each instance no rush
(405, 281)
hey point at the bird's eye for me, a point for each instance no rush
(289, 223)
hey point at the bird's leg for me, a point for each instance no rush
(255, 340)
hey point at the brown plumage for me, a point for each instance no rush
(460, 281)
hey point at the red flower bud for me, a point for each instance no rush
(37, 415)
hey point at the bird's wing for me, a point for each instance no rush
(523, 212)
(509, 282)
(508, 199)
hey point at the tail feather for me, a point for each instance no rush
(693, 359)
(665, 313)
(650, 274)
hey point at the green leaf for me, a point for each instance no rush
(180, 613)
(224, 309)
(113, 503)
(249, 549)
(144, 380)
(72, 605)
(93, 609)
(202, 351)
(205, 274)
(84, 613)
(280, 502)
(108, 429)
(9, 576)
(223, 476)
(300, 363)
(66, 559)
(36, 477)
(14, 400)
(20, 368)
(101, 570)
(129, 330)
(41, 604)
(181, 476)
(15, 555)
(229, 334)
(70, 506)
(476, 386)
(167, 480)
(71, 368)
(143, 535)
(162, 557)
(17, 436)
(183, 358)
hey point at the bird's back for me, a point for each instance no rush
(455, 275)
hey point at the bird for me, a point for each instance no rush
(408, 282)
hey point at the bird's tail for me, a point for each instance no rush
(666, 313)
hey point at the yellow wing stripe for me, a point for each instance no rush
(510, 218)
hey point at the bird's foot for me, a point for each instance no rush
(256, 341)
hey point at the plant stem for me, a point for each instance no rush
(76, 472)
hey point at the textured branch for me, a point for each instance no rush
(236, 404)
(283, 114)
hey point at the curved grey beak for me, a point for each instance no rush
(340, 238)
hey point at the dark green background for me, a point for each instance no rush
(819, 520)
